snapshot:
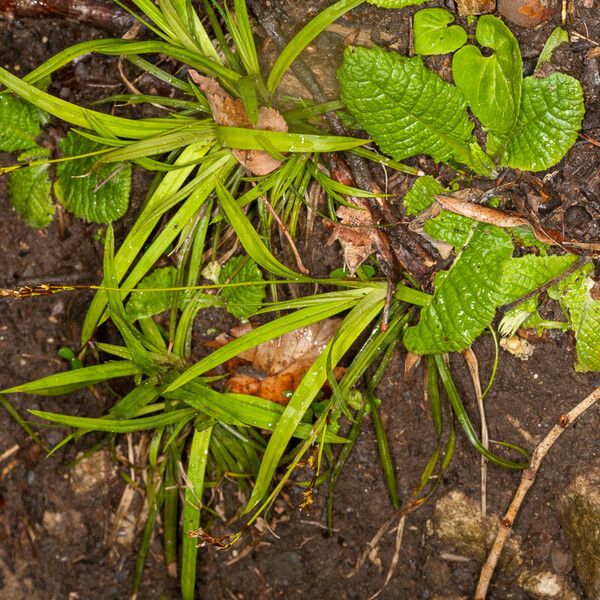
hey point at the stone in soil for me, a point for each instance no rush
(580, 514)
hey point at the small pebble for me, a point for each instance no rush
(561, 560)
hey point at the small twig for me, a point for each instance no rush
(288, 236)
(474, 371)
(97, 13)
(8, 453)
(114, 172)
(370, 547)
(527, 480)
(395, 559)
(590, 139)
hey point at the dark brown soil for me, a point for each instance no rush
(298, 559)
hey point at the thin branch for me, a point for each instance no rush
(527, 480)
(102, 14)
(288, 236)
(473, 365)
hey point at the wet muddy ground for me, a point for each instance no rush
(56, 538)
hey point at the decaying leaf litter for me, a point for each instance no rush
(305, 557)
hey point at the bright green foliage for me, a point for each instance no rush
(244, 301)
(583, 313)
(147, 304)
(466, 296)
(483, 277)
(551, 113)
(522, 275)
(557, 37)
(97, 194)
(30, 192)
(451, 228)
(20, 124)
(491, 84)
(421, 194)
(432, 32)
(405, 107)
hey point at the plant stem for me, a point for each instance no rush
(527, 480)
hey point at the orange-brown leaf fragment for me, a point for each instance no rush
(527, 13)
(230, 112)
(274, 369)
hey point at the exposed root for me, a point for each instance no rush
(527, 480)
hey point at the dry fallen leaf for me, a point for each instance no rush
(459, 204)
(475, 7)
(274, 369)
(356, 234)
(527, 13)
(230, 112)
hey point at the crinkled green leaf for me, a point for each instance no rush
(483, 277)
(557, 37)
(450, 228)
(20, 123)
(97, 194)
(30, 192)
(406, 108)
(432, 32)
(583, 313)
(466, 296)
(421, 194)
(244, 301)
(522, 275)
(551, 113)
(147, 304)
(491, 84)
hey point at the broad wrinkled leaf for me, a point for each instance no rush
(30, 192)
(491, 84)
(20, 123)
(243, 301)
(583, 312)
(421, 194)
(551, 113)
(483, 277)
(97, 194)
(406, 108)
(147, 304)
(434, 34)
(465, 297)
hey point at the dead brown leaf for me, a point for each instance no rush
(527, 13)
(275, 368)
(357, 235)
(460, 205)
(230, 112)
(475, 7)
